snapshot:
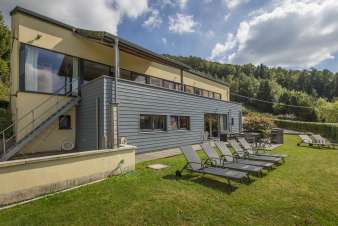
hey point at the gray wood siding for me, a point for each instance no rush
(135, 99)
(86, 132)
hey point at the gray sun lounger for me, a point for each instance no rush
(195, 164)
(305, 139)
(243, 154)
(222, 162)
(245, 144)
(222, 147)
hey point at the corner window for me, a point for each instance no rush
(217, 96)
(153, 122)
(46, 71)
(64, 122)
(180, 122)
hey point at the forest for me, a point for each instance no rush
(307, 95)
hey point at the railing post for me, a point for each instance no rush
(4, 142)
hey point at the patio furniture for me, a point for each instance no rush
(226, 154)
(305, 139)
(195, 164)
(322, 142)
(244, 154)
(249, 148)
(222, 161)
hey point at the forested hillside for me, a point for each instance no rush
(315, 89)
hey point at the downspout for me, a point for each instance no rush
(116, 107)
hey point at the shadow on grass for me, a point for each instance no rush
(205, 181)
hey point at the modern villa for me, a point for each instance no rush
(65, 96)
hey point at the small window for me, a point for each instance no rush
(124, 74)
(155, 81)
(153, 122)
(64, 122)
(168, 84)
(217, 96)
(188, 89)
(205, 93)
(92, 70)
(197, 91)
(180, 122)
(178, 86)
(232, 121)
(211, 94)
(139, 78)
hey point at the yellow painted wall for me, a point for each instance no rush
(52, 137)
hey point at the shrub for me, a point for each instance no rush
(329, 130)
(255, 122)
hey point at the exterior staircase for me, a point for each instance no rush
(14, 147)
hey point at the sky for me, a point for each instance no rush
(296, 34)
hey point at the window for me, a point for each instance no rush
(217, 96)
(205, 93)
(124, 74)
(211, 94)
(155, 81)
(197, 91)
(168, 84)
(178, 86)
(46, 71)
(188, 89)
(64, 122)
(91, 70)
(153, 122)
(180, 122)
(232, 121)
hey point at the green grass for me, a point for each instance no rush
(303, 191)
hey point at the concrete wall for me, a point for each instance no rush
(25, 179)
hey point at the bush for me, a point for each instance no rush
(255, 122)
(328, 130)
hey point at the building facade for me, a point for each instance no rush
(64, 94)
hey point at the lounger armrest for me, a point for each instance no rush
(207, 162)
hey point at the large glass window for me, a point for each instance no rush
(180, 122)
(153, 122)
(46, 71)
(91, 70)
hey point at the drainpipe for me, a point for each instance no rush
(115, 108)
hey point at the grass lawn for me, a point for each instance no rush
(303, 191)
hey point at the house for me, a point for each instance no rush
(65, 96)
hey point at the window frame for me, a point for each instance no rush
(178, 122)
(69, 124)
(153, 123)
(22, 72)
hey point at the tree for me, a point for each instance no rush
(4, 59)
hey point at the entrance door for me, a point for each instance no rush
(212, 125)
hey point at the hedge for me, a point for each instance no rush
(328, 130)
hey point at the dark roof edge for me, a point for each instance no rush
(123, 41)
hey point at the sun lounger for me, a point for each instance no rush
(244, 154)
(226, 153)
(222, 162)
(245, 144)
(305, 139)
(195, 164)
(322, 142)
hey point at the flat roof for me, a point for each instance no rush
(124, 44)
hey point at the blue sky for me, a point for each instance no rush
(288, 33)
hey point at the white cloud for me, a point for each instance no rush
(164, 40)
(182, 23)
(154, 20)
(226, 17)
(210, 34)
(182, 3)
(96, 15)
(292, 34)
(232, 4)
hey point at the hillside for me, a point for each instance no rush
(317, 90)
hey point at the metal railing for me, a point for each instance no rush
(34, 119)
